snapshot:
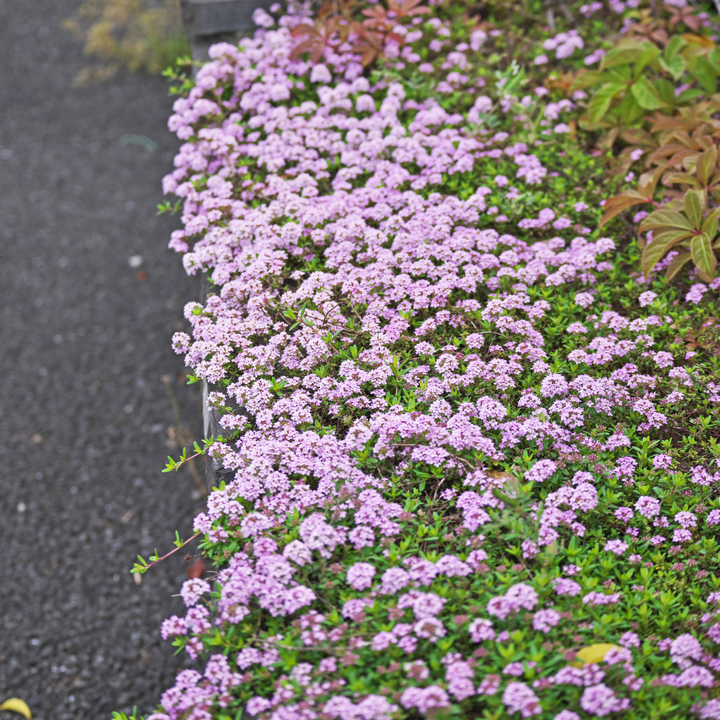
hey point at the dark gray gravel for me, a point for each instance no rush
(84, 341)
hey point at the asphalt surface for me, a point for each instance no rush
(84, 341)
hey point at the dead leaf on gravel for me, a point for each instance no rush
(18, 706)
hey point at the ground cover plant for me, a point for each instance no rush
(473, 429)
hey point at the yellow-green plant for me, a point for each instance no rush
(136, 34)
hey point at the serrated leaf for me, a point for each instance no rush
(703, 256)
(588, 79)
(647, 95)
(18, 706)
(622, 74)
(693, 208)
(676, 67)
(621, 56)
(628, 110)
(676, 264)
(674, 46)
(665, 218)
(649, 54)
(705, 164)
(654, 251)
(600, 101)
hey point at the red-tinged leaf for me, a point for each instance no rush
(300, 30)
(703, 256)
(378, 12)
(676, 264)
(369, 57)
(197, 569)
(654, 252)
(648, 181)
(619, 207)
(665, 151)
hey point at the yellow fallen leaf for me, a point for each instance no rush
(594, 653)
(18, 706)
(500, 475)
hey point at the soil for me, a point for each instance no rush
(84, 414)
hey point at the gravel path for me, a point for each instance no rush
(84, 341)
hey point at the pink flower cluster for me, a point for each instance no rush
(367, 327)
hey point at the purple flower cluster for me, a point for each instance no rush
(370, 329)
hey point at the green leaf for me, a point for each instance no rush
(666, 90)
(703, 256)
(629, 110)
(714, 59)
(654, 251)
(705, 164)
(706, 75)
(665, 218)
(689, 95)
(649, 54)
(674, 46)
(622, 56)
(588, 79)
(710, 224)
(710, 227)
(620, 74)
(676, 67)
(684, 179)
(676, 264)
(647, 95)
(600, 102)
(693, 208)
